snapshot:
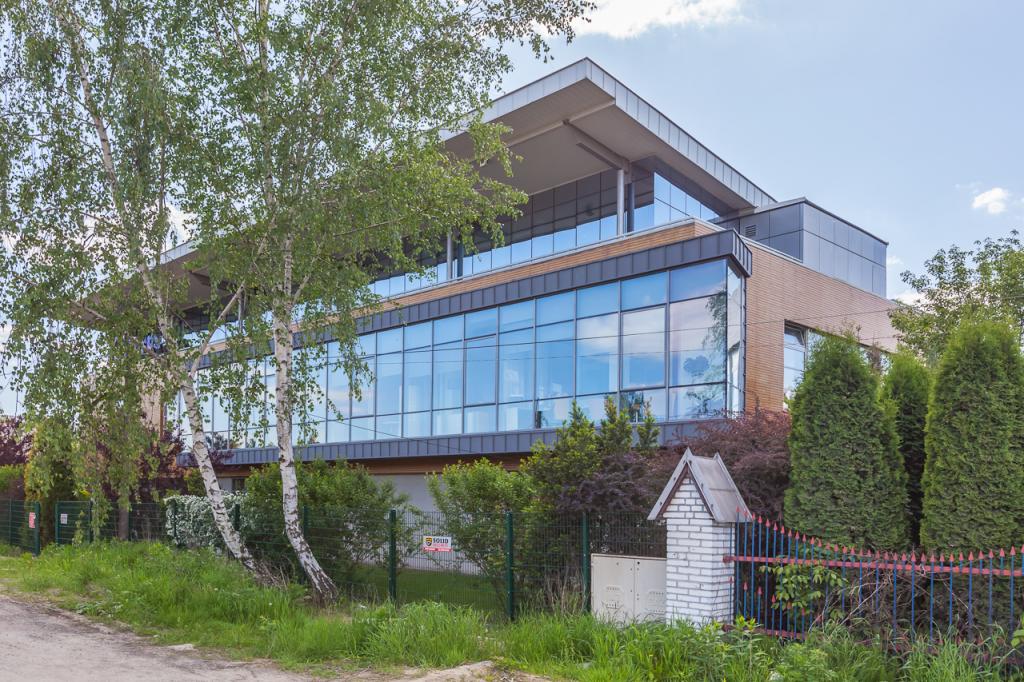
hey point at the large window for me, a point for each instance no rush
(670, 341)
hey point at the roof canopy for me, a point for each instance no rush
(718, 491)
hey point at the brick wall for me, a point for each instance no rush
(780, 290)
(698, 583)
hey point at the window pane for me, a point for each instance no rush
(597, 300)
(521, 251)
(588, 233)
(697, 280)
(597, 352)
(389, 426)
(643, 292)
(556, 308)
(608, 227)
(697, 341)
(481, 323)
(448, 375)
(516, 366)
(543, 245)
(389, 341)
(501, 257)
(515, 417)
(793, 337)
(696, 402)
(417, 335)
(791, 378)
(447, 422)
(635, 403)
(643, 348)
(480, 419)
(643, 217)
(417, 381)
(592, 406)
(516, 316)
(362, 428)
(481, 370)
(363, 405)
(337, 431)
(389, 383)
(793, 357)
(448, 329)
(416, 425)
(553, 413)
(554, 360)
(337, 392)
(565, 240)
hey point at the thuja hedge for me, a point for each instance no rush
(907, 385)
(847, 481)
(974, 471)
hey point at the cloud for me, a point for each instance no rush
(992, 201)
(909, 297)
(630, 18)
(893, 261)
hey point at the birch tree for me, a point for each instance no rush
(306, 142)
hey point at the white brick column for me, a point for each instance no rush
(698, 582)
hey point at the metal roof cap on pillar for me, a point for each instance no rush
(718, 491)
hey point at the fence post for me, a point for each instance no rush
(393, 556)
(91, 520)
(585, 559)
(39, 520)
(510, 577)
(10, 522)
(56, 523)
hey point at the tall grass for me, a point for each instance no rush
(201, 598)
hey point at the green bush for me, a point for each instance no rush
(847, 482)
(907, 385)
(12, 481)
(49, 477)
(189, 521)
(346, 519)
(974, 472)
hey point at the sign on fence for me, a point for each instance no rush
(437, 543)
(63, 519)
(31, 519)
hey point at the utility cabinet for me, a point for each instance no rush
(627, 589)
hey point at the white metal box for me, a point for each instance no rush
(627, 589)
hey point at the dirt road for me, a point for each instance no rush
(43, 643)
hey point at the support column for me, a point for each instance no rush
(620, 202)
(450, 253)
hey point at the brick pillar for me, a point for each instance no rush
(698, 582)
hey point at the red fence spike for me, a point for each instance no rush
(990, 555)
(961, 556)
(970, 556)
(903, 557)
(1002, 554)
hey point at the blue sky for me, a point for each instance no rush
(901, 117)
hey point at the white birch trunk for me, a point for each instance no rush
(324, 589)
(232, 538)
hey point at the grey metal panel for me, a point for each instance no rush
(784, 219)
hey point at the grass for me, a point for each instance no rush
(197, 597)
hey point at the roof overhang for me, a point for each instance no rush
(579, 121)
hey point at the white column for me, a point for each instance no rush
(698, 582)
(450, 254)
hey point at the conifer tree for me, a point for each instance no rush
(907, 385)
(974, 468)
(847, 484)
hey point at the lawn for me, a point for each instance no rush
(199, 598)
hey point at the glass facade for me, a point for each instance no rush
(672, 340)
(567, 217)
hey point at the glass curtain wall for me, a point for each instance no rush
(671, 340)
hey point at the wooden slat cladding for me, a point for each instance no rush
(781, 290)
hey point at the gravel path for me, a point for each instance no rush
(39, 642)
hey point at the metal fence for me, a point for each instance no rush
(789, 583)
(19, 524)
(77, 521)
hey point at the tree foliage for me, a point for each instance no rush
(985, 282)
(974, 468)
(15, 441)
(906, 386)
(847, 482)
(754, 446)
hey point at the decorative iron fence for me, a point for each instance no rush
(19, 524)
(789, 583)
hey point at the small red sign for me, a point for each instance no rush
(31, 519)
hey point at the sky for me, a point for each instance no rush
(902, 117)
